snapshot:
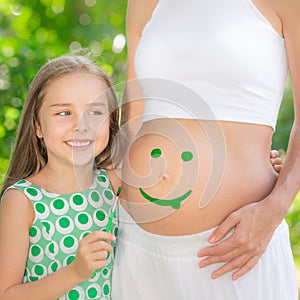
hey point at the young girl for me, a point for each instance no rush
(54, 207)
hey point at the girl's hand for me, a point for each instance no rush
(275, 160)
(253, 227)
(92, 253)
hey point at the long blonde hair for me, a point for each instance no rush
(30, 154)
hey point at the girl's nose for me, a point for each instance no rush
(81, 125)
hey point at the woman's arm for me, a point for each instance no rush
(255, 223)
(16, 217)
(139, 13)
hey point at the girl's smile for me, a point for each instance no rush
(80, 145)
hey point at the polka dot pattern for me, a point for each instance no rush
(61, 221)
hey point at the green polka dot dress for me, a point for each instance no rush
(61, 221)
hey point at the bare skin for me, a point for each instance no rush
(254, 210)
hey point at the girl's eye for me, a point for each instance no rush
(95, 113)
(64, 113)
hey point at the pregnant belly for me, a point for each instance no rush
(185, 176)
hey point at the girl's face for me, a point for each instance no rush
(74, 119)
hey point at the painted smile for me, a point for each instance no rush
(174, 203)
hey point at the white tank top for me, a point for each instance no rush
(226, 52)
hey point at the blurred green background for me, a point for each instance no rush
(31, 32)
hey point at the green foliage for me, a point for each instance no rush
(293, 220)
(32, 31)
(285, 120)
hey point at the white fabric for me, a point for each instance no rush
(225, 51)
(149, 266)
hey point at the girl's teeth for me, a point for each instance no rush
(78, 144)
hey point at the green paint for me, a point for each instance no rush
(156, 153)
(175, 203)
(119, 190)
(113, 211)
(186, 156)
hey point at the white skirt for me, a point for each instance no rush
(153, 267)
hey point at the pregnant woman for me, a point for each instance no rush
(206, 78)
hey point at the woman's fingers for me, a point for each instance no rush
(236, 245)
(246, 267)
(274, 154)
(224, 228)
(233, 261)
(219, 258)
(220, 249)
(278, 168)
(253, 230)
(276, 161)
(243, 263)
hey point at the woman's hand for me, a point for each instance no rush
(253, 226)
(92, 253)
(275, 160)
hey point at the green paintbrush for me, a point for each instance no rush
(113, 211)
(111, 215)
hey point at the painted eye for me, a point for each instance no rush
(186, 156)
(155, 153)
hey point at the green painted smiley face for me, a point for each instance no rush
(175, 202)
